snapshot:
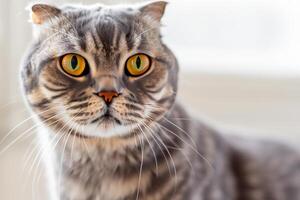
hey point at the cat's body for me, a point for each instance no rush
(115, 135)
(217, 168)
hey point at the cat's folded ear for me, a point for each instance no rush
(41, 13)
(154, 9)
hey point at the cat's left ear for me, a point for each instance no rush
(41, 13)
(154, 9)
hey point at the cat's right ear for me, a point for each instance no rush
(154, 9)
(41, 13)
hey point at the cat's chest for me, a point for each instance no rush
(93, 184)
(105, 177)
(102, 187)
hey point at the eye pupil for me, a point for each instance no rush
(138, 62)
(74, 62)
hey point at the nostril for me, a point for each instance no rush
(108, 96)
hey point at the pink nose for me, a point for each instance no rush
(108, 96)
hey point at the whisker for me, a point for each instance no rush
(141, 168)
(191, 146)
(6, 105)
(42, 151)
(21, 123)
(160, 148)
(194, 150)
(23, 134)
(150, 145)
(183, 131)
(163, 144)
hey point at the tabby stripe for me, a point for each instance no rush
(54, 82)
(30, 84)
(129, 40)
(156, 113)
(157, 184)
(137, 115)
(54, 89)
(164, 61)
(171, 191)
(130, 99)
(132, 106)
(165, 99)
(44, 63)
(117, 59)
(83, 114)
(27, 68)
(158, 181)
(78, 106)
(143, 43)
(82, 42)
(117, 120)
(41, 103)
(82, 122)
(162, 157)
(175, 140)
(150, 97)
(130, 122)
(106, 31)
(78, 99)
(133, 133)
(96, 120)
(118, 38)
(81, 94)
(238, 171)
(59, 95)
(95, 39)
(156, 90)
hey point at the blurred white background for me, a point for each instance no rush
(236, 36)
(239, 67)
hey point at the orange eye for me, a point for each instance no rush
(74, 65)
(138, 65)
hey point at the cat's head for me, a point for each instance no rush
(102, 71)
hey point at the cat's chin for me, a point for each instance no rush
(106, 129)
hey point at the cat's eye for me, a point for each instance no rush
(137, 65)
(74, 65)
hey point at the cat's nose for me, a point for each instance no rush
(108, 96)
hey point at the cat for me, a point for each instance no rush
(103, 87)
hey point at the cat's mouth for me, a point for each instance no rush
(107, 123)
(107, 118)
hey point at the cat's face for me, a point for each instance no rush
(100, 71)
